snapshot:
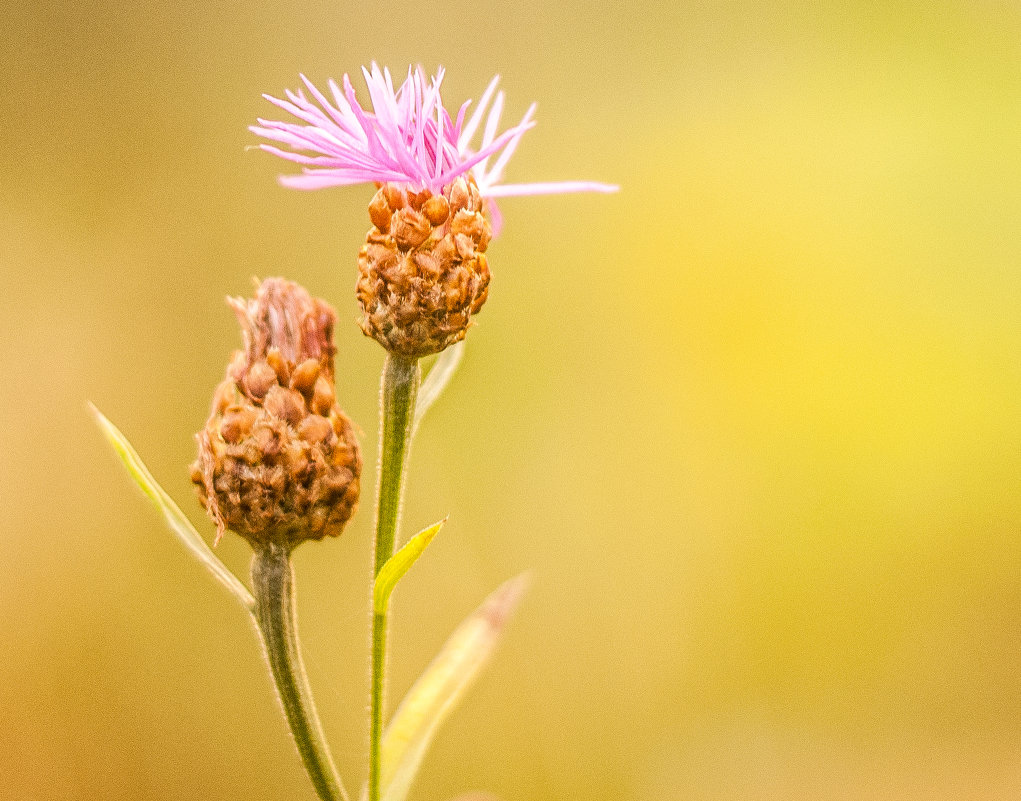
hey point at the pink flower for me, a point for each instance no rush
(408, 138)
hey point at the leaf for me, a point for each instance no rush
(441, 686)
(172, 514)
(439, 376)
(399, 564)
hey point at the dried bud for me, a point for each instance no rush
(278, 460)
(422, 272)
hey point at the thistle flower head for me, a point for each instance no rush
(278, 460)
(423, 272)
(407, 138)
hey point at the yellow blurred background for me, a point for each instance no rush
(753, 422)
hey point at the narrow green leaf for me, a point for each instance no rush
(441, 686)
(399, 564)
(439, 376)
(172, 514)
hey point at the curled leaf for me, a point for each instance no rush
(172, 514)
(399, 564)
(441, 686)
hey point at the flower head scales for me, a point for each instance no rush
(407, 138)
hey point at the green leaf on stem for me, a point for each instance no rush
(439, 376)
(399, 564)
(441, 686)
(172, 514)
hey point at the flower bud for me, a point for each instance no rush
(278, 461)
(422, 272)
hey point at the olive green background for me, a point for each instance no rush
(753, 423)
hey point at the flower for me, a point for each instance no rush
(423, 271)
(278, 460)
(408, 138)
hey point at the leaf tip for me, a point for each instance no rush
(400, 563)
(427, 535)
(502, 602)
(99, 417)
(107, 428)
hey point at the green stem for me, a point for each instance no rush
(379, 637)
(401, 377)
(273, 587)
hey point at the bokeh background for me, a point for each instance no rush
(753, 422)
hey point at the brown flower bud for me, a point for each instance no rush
(278, 460)
(422, 273)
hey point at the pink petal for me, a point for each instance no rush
(562, 187)
(494, 174)
(476, 117)
(470, 161)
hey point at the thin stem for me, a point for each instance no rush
(401, 377)
(273, 587)
(379, 637)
